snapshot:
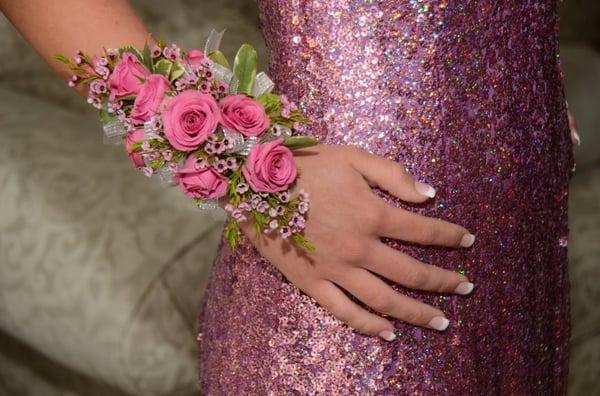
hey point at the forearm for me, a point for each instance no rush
(65, 26)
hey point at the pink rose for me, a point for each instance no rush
(125, 78)
(270, 167)
(149, 98)
(135, 156)
(244, 115)
(189, 119)
(194, 56)
(200, 182)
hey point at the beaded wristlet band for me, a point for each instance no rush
(214, 130)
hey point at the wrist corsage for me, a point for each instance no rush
(195, 122)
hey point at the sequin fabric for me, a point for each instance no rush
(468, 95)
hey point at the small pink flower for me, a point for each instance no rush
(232, 163)
(255, 200)
(172, 52)
(149, 98)
(94, 101)
(270, 167)
(297, 221)
(167, 155)
(194, 57)
(284, 196)
(303, 207)
(220, 166)
(135, 156)
(204, 183)
(201, 163)
(262, 207)
(303, 195)
(125, 78)
(189, 119)
(244, 115)
(285, 232)
(245, 206)
(156, 51)
(98, 87)
(238, 215)
(148, 171)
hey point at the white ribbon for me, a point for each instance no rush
(208, 205)
(149, 131)
(262, 84)
(240, 144)
(114, 130)
(222, 73)
(214, 41)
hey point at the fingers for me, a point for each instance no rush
(412, 227)
(409, 272)
(378, 295)
(390, 176)
(330, 297)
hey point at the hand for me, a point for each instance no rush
(345, 222)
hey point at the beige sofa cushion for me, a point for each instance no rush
(101, 268)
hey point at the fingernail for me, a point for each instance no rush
(387, 335)
(467, 240)
(464, 288)
(439, 323)
(425, 189)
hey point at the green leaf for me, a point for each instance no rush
(135, 146)
(218, 57)
(61, 58)
(297, 142)
(304, 243)
(232, 232)
(176, 71)
(270, 102)
(147, 55)
(161, 41)
(244, 68)
(105, 116)
(132, 50)
(164, 67)
(128, 97)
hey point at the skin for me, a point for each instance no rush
(346, 232)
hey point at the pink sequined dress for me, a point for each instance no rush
(468, 95)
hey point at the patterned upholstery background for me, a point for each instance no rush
(101, 271)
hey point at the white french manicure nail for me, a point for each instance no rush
(439, 323)
(467, 240)
(464, 288)
(425, 189)
(387, 335)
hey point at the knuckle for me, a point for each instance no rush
(374, 217)
(416, 316)
(398, 172)
(361, 324)
(429, 234)
(381, 302)
(343, 312)
(417, 279)
(352, 250)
